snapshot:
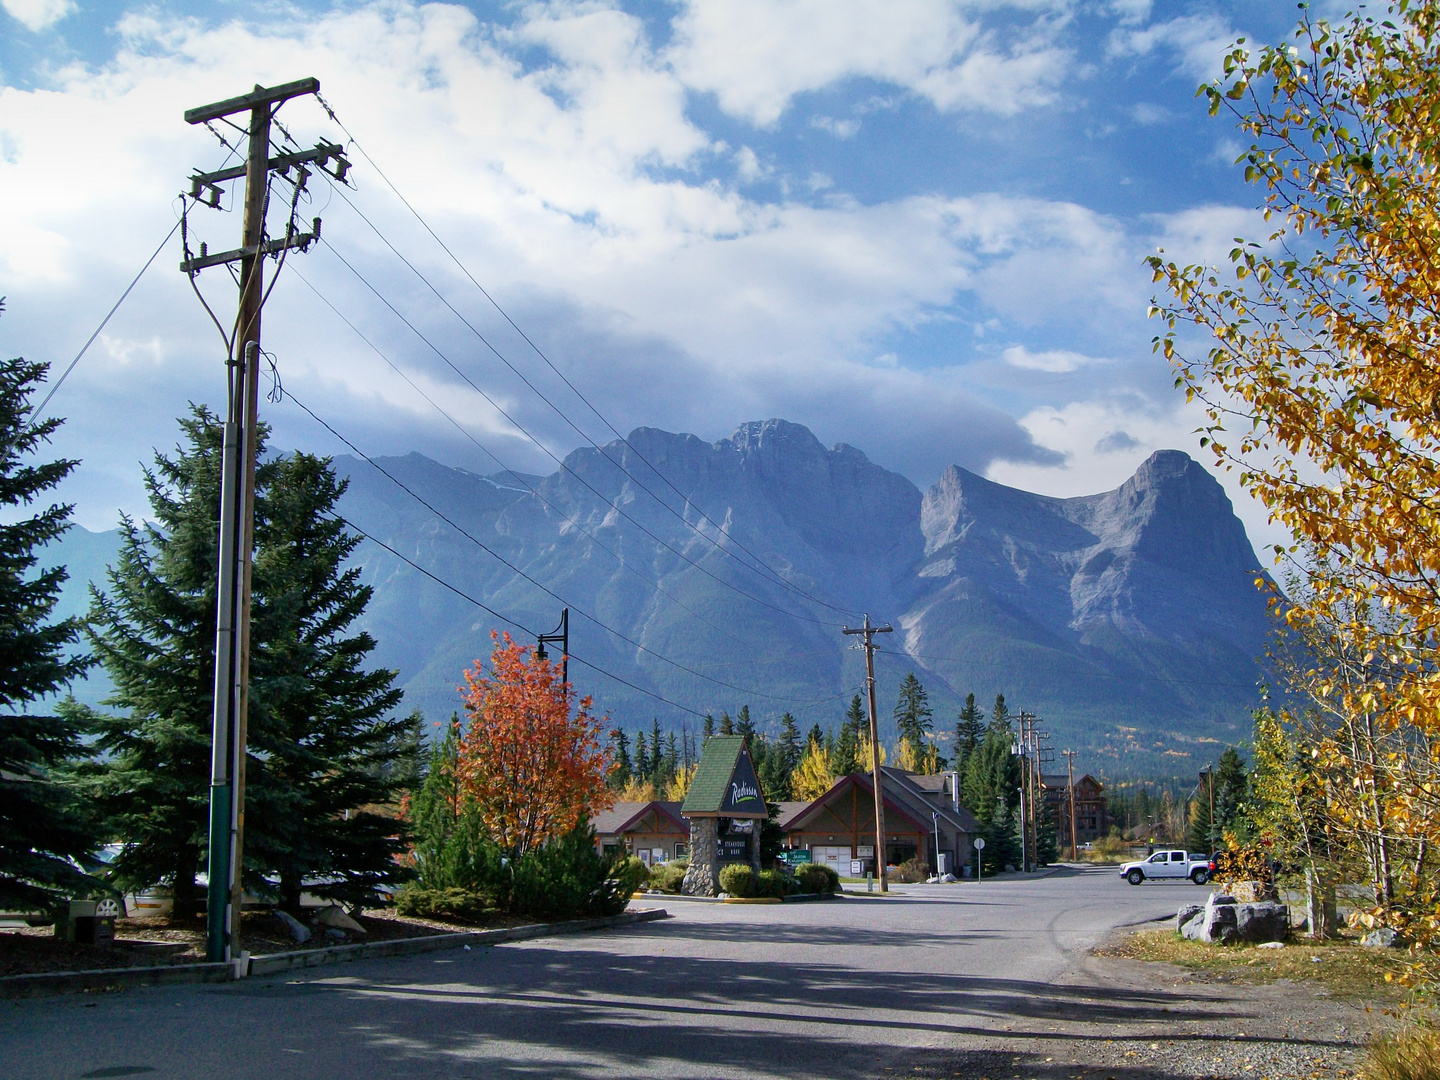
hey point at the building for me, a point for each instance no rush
(1092, 820)
(655, 831)
(920, 811)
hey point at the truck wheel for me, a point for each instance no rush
(1135, 876)
(1200, 876)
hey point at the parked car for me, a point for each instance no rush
(1168, 865)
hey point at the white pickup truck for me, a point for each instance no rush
(1168, 865)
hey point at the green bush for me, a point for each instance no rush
(816, 878)
(738, 879)
(568, 879)
(668, 876)
(632, 874)
(908, 871)
(452, 905)
(774, 883)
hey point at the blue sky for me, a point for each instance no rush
(916, 226)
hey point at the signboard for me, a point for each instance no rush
(979, 843)
(734, 849)
(865, 851)
(741, 826)
(742, 793)
(795, 858)
(857, 867)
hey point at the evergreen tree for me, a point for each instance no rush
(1200, 838)
(656, 774)
(912, 720)
(1047, 844)
(154, 633)
(643, 767)
(709, 729)
(991, 784)
(845, 748)
(790, 749)
(620, 751)
(743, 724)
(318, 717)
(451, 848)
(1000, 716)
(672, 757)
(42, 824)
(969, 730)
(815, 736)
(1232, 789)
(727, 726)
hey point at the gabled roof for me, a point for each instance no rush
(623, 815)
(905, 802)
(1061, 781)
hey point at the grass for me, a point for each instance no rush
(1411, 1054)
(1344, 967)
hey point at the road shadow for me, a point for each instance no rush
(571, 1013)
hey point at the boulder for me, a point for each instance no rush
(1383, 938)
(299, 932)
(1268, 921)
(1253, 892)
(334, 916)
(333, 934)
(1185, 914)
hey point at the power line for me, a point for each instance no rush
(521, 573)
(533, 490)
(759, 564)
(560, 462)
(34, 415)
(1078, 674)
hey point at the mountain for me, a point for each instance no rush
(720, 574)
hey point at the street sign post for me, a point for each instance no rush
(979, 859)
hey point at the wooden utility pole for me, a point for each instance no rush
(1070, 768)
(868, 632)
(237, 498)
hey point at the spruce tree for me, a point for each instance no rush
(912, 720)
(727, 726)
(319, 723)
(642, 756)
(707, 731)
(743, 724)
(969, 730)
(656, 774)
(1047, 844)
(790, 748)
(1000, 715)
(153, 630)
(620, 748)
(1232, 789)
(43, 826)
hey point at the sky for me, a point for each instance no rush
(915, 226)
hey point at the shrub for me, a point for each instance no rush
(668, 876)
(632, 874)
(454, 905)
(774, 883)
(816, 878)
(738, 879)
(567, 878)
(1243, 864)
(1413, 1054)
(908, 871)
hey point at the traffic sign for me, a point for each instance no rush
(979, 843)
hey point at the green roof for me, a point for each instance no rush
(709, 789)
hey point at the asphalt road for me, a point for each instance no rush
(856, 987)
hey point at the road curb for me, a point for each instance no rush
(75, 982)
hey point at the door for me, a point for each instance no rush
(837, 858)
(1158, 865)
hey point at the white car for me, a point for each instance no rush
(1168, 865)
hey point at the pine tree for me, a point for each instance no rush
(643, 767)
(992, 777)
(1232, 789)
(620, 750)
(1047, 844)
(912, 719)
(743, 724)
(1200, 838)
(153, 630)
(318, 717)
(707, 731)
(727, 726)
(1000, 716)
(790, 749)
(656, 774)
(672, 757)
(42, 824)
(969, 730)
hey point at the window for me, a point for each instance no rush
(1177, 856)
(1159, 856)
(679, 851)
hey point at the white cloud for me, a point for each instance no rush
(1199, 42)
(1053, 360)
(1148, 114)
(757, 55)
(38, 15)
(841, 129)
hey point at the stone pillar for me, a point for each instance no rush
(755, 848)
(703, 876)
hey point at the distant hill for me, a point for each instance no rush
(1128, 620)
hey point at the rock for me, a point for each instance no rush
(1185, 914)
(1383, 938)
(1267, 921)
(1271, 945)
(334, 934)
(1253, 892)
(335, 916)
(299, 932)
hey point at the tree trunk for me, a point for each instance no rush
(290, 888)
(187, 862)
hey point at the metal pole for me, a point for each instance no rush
(1024, 851)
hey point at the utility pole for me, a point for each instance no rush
(1070, 768)
(237, 499)
(868, 632)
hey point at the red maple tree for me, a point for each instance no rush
(530, 759)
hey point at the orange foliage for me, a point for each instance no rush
(532, 763)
